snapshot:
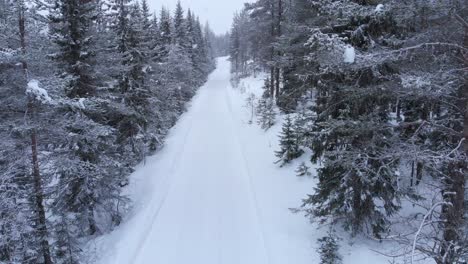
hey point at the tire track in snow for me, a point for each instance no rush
(167, 182)
(246, 169)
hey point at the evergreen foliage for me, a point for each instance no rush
(381, 104)
(70, 24)
(329, 250)
(266, 108)
(303, 170)
(289, 143)
(87, 92)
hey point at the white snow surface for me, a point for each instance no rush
(214, 196)
(349, 54)
(379, 8)
(81, 104)
(39, 93)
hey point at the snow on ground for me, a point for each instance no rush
(214, 196)
(349, 54)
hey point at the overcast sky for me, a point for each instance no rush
(218, 13)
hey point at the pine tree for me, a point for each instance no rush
(267, 15)
(80, 181)
(165, 27)
(202, 49)
(39, 224)
(155, 41)
(209, 47)
(266, 108)
(145, 16)
(234, 48)
(329, 250)
(191, 44)
(147, 37)
(240, 48)
(180, 28)
(290, 149)
(303, 170)
(70, 29)
(305, 120)
(66, 246)
(82, 120)
(266, 113)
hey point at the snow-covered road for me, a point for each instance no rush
(213, 194)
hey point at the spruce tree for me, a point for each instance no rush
(303, 170)
(329, 249)
(70, 29)
(180, 28)
(165, 27)
(289, 148)
(266, 108)
(66, 245)
(145, 16)
(155, 41)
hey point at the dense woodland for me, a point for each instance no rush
(87, 90)
(377, 90)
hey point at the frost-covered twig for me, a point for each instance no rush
(458, 147)
(419, 46)
(421, 227)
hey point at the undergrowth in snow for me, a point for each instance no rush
(38, 93)
(213, 195)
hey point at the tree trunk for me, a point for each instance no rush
(419, 172)
(277, 82)
(357, 204)
(398, 110)
(39, 199)
(278, 34)
(412, 174)
(38, 191)
(272, 50)
(465, 95)
(455, 190)
(91, 221)
(272, 82)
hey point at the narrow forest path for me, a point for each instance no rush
(208, 214)
(213, 194)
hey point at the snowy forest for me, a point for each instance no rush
(87, 90)
(312, 131)
(377, 91)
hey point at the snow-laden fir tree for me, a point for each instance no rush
(266, 111)
(289, 147)
(329, 249)
(304, 123)
(303, 170)
(388, 117)
(70, 29)
(25, 236)
(66, 246)
(180, 34)
(166, 30)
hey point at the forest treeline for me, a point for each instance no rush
(88, 88)
(377, 90)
